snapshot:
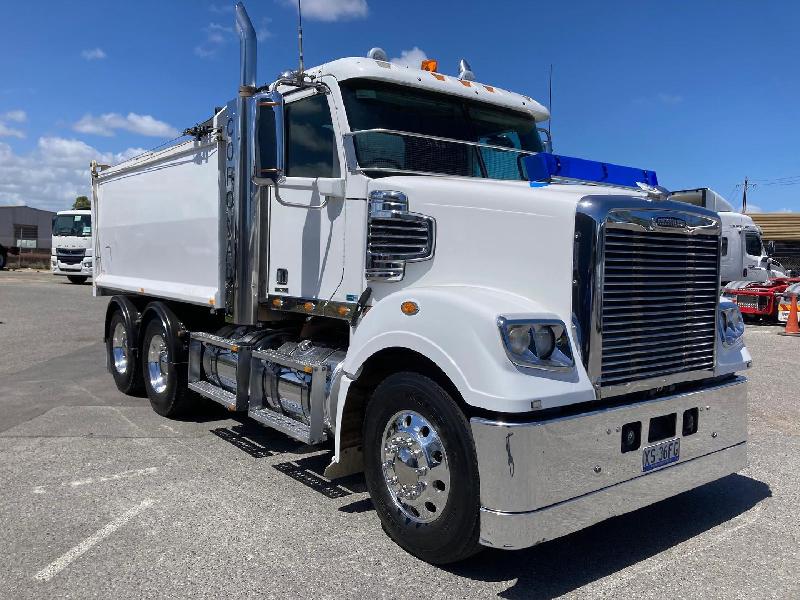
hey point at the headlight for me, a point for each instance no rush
(730, 323)
(536, 343)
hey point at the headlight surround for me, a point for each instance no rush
(730, 323)
(536, 343)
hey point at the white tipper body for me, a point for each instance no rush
(82, 268)
(501, 248)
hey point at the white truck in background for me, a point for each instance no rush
(743, 256)
(387, 260)
(72, 250)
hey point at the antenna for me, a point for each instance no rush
(549, 102)
(300, 35)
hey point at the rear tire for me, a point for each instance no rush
(77, 279)
(3, 260)
(123, 361)
(421, 469)
(165, 379)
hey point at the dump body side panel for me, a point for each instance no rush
(157, 223)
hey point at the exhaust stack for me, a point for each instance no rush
(247, 235)
(247, 47)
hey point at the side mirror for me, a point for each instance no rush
(270, 148)
(547, 143)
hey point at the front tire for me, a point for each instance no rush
(421, 469)
(165, 379)
(77, 279)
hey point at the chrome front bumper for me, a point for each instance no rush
(544, 479)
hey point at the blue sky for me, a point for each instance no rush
(703, 91)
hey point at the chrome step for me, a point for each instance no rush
(291, 427)
(217, 394)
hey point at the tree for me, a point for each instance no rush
(81, 203)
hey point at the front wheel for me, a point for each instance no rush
(77, 279)
(421, 469)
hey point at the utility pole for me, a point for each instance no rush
(744, 194)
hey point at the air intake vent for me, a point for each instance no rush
(395, 236)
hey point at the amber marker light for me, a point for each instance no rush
(277, 302)
(343, 311)
(409, 308)
(430, 65)
(308, 306)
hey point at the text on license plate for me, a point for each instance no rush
(661, 454)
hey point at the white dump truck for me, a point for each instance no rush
(72, 250)
(387, 260)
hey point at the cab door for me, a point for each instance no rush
(307, 209)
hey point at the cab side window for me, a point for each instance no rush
(310, 141)
(724, 246)
(752, 243)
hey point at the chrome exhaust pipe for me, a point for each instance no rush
(248, 45)
(247, 257)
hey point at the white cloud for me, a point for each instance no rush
(786, 210)
(262, 31)
(331, 10)
(410, 58)
(6, 131)
(53, 174)
(142, 124)
(670, 98)
(93, 54)
(216, 37)
(14, 116)
(18, 116)
(221, 8)
(753, 208)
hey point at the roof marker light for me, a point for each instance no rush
(438, 76)
(430, 64)
(544, 166)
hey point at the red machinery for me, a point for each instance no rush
(759, 298)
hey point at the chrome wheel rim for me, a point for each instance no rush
(119, 348)
(157, 363)
(415, 468)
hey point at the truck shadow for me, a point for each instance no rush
(565, 564)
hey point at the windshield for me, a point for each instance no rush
(77, 225)
(414, 116)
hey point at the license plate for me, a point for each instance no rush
(661, 454)
(783, 315)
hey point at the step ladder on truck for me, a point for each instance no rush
(391, 261)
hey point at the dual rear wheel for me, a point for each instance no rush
(156, 366)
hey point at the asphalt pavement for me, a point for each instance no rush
(100, 497)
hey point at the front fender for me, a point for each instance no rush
(456, 328)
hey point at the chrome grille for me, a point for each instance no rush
(70, 256)
(659, 303)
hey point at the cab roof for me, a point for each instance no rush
(357, 67)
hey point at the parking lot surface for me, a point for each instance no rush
(100, 497)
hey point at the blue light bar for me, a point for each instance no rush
(544, 166)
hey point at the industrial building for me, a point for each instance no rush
(784, 230)
(26, 227)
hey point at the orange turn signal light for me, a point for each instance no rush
(409, 308)
(308, 306)
(430, 65)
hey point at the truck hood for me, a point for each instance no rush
(503, 235)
